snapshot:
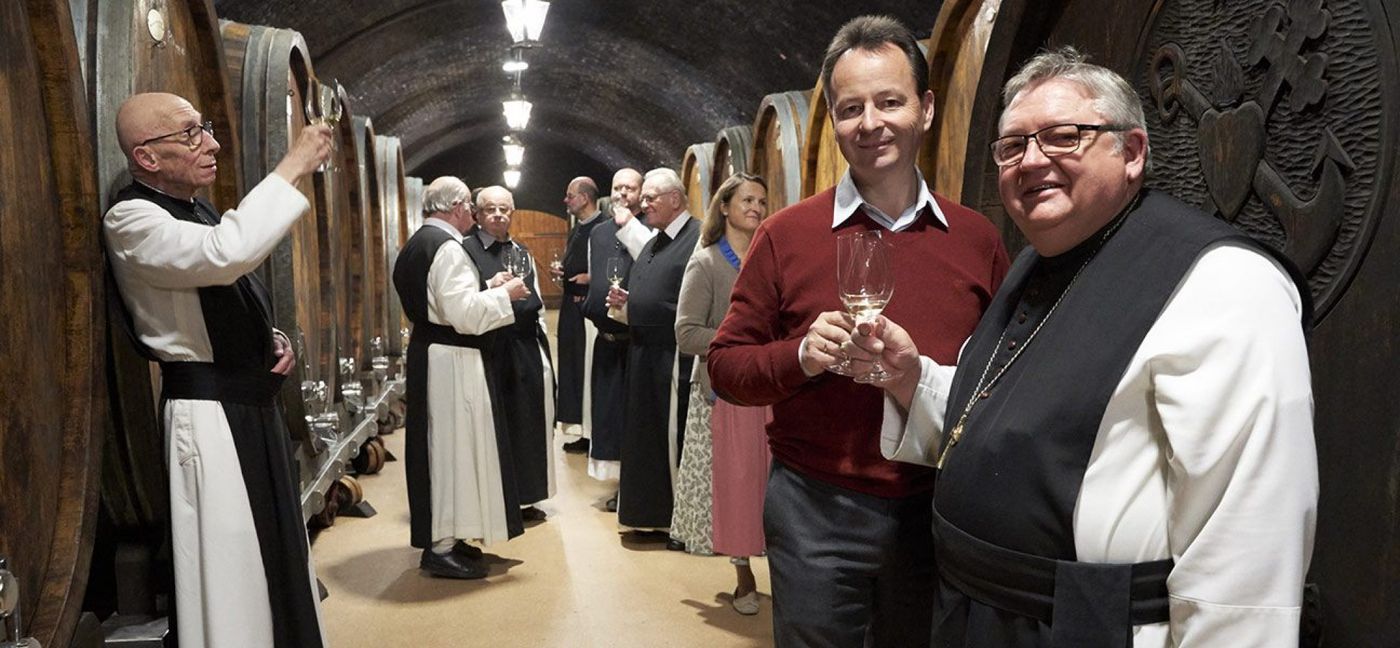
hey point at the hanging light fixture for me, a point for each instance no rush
(515, 65)
(517, 111)
(525, 19)
(514, 150)
(512, 177)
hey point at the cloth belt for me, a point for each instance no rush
(1086, 604)
(614, 337)
(429, 333)
(207, 381)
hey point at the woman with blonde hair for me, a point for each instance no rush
(724, 464)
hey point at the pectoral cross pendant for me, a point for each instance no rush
(952, 441)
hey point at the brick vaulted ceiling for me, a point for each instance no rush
(614, 83)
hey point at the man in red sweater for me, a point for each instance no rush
(848, 532)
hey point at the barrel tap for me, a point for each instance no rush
(11, 621)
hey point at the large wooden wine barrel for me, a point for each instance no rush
(393, 195)
(275, 77)
(956, 51)
(696, 176)
(1309, 167)
(779, 132)
(138, 47)
(732, 147)
(546, 235)
(52, 345)
(376, 285)
(822, 162)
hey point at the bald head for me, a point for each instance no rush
(146, 115)
(581, 197)
(627, 189)
(160, 135)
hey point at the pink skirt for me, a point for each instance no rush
(740, 476)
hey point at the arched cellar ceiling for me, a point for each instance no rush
(614, 83)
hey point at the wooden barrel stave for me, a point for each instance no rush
(779, 132)
(957, 50)
(822, 162)
(393, 195)
(51, 435)
(732, 147)
(348, 236)
(375, 316)
(696, 176)
(414, 187)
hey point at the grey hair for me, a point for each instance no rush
(443, 193)
(1114, 97)
(870, 33)
(667, 179)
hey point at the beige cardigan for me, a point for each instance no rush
(704, 300)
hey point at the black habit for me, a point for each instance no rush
(411, 282)
(609, 348)
(658, 380)
(519, 372)
(572, 344)
(1005, 499)
(238, 319)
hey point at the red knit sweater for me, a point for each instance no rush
(828, 427)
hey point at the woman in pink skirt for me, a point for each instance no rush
(739, 448)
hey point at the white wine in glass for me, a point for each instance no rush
(323, 107)
(615, 272)
(865, 281)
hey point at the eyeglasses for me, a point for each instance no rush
(651, 198)
(1054, 141)
(193, 136)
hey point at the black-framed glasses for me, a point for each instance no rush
(193, 136)
(1054, 141)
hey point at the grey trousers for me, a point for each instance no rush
(848, 569)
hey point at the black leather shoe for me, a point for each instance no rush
(466, 551)
(675, 545)
(532, 514)
(577, 447)
(449, 566)
(611, 504)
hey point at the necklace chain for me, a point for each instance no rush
(983, 384)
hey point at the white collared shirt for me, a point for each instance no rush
(635, 234)
(848, 198)
(444, 226)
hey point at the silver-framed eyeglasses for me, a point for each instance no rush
(193, 136)
(1054, 141)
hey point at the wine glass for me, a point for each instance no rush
(615, 272)
(323, 107)
(865, 281)
(556, 264)
(516, 261)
